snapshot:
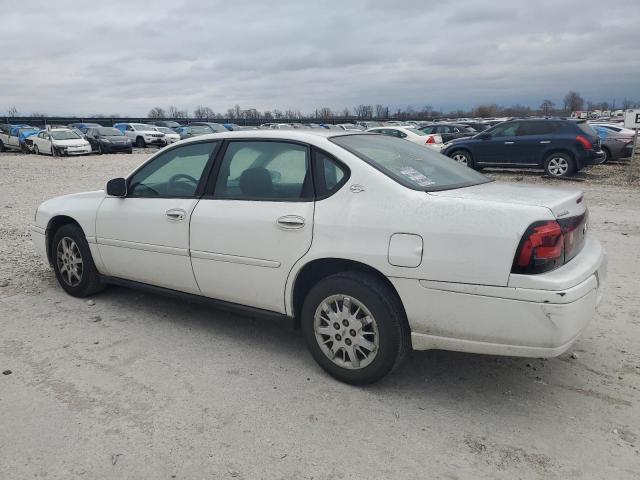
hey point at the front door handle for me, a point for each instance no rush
(290, 222)
(176, 214)
(545, 141)
(508, 143)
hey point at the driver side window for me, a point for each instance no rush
(175, 173)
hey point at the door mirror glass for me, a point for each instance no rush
(117, 187)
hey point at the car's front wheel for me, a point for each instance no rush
(606, 155)
(462, 157)
(36, 150)
(73, 263)
(355, 327)
(140, 142)
(559, 165)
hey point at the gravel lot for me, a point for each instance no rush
(140, 386)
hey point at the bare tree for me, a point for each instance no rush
(175, 112)
(346, 113)
(203, 113)
(573, 102)
(364, 111)
(626, 104)
(277, 114)
(546, 106)
(156, 112)
(12, 111)
(325, 113)
(485, 111)
(38, 115)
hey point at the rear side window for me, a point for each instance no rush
(275, 171)
(505, 129)
(330, 175)
(536, 128)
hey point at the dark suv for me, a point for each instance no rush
(560, 147)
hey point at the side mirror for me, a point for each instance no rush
(117, 187)
(484, 136)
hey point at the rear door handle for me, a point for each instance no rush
(509, 143)
(545, 141)
(176, 214)
(290, 222)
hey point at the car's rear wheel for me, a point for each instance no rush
(2, 149)
(559, 165)
(73, 263)
(140, 142)
(355, 327)
(463, 157)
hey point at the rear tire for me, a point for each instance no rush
(140, 142)
(2, 149)
(73, 263)
(559, 165)
(463, 157)
(355, 327)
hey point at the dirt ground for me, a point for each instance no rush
(140, 386)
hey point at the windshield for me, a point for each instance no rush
(109, 132)
(410, 164)
(415, 131)
(64, 135)
(142, 126)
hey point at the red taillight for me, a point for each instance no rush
(585, 142)
(431, 139)
(541, 248)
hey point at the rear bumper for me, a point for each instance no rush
(590, 157)
(515, 321)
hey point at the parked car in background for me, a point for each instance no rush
(142, 134)
(167, 123)
(617, 128)
(59, 141)
(370, 124)
(615, 145)
(15, 136)
(193, 131)
(473, 265)
(170, 135)
(351, 127)
(560, 147)
(83, 126)
(232, 126)
(108, 140)
(215, 127)
(449, 131)
(414, 135)
(477, 126)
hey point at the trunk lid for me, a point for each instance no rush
(563, 203)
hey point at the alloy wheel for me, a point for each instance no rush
(346, 332)
(461, 158)
(558, 166)
(69, 260)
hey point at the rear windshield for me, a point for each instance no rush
(586, 128)
(412, 165)
(64, 135)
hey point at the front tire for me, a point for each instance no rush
(100, 151)
(73, 263)
(463, 157)
(36, 150)
(355, 327)
(140, 142)
(607, 155)
(559, 165)
(2, 149)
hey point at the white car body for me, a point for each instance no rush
(170, 136)
(411, 134)
(448, 254)
(142, 134)
(45, 142)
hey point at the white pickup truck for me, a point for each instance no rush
(12, 136)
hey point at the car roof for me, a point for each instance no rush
(301, 135)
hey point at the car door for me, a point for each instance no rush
(144, 236)
(500, 147)
(535, 137)
(254, 223)
(445, 132)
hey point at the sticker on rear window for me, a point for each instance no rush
(417, 177)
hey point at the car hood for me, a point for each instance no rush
(71, 143)
(562, 202)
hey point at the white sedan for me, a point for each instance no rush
(374, 244)
(59, 141)
(412, 134)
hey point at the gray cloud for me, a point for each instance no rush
(68, 57)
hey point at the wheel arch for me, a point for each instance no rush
(53, 226)
(315, 270)
(551, 151)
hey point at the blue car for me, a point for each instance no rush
(560, 147)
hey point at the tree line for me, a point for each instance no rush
(571, 102)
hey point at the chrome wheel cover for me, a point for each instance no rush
(69, 261)
(558, 166)
(461, 158)
(346, 332)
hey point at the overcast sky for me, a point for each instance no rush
(63, 57)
